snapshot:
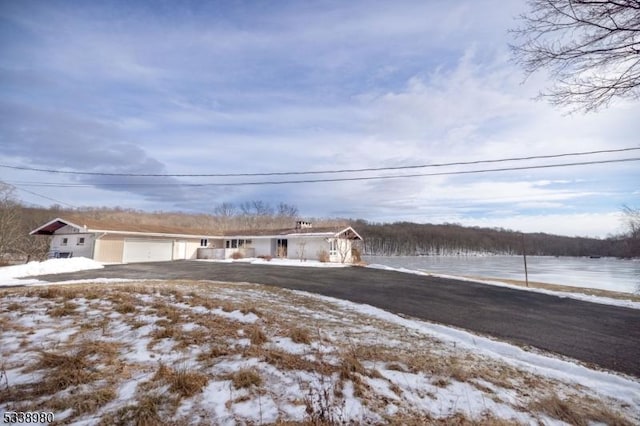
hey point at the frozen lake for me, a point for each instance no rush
(604, 273)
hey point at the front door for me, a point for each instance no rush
(281, 248)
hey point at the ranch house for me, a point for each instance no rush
(128, 243)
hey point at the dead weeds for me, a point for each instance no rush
(83, 373)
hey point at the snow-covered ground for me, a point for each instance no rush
(222, 353)
(573, 295)
(8, 274)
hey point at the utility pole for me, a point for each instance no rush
(524, 255)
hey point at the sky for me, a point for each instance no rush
(233, 87)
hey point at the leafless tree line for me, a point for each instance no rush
(409, 239)
(590, 47)
(401, 238)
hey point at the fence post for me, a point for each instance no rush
(524, 255)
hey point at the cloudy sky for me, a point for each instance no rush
(232, 87)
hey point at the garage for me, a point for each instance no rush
(137, 250)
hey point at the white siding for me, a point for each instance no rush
(263, 246)
(307, 247)
(192, 249)
(73, 244)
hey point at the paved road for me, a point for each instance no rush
(604, 335)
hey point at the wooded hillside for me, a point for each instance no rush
(401, 238)
(405, 238)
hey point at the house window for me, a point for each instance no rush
(65, 241)
(282, 248)
(81, 241)
(333, 247)
(204, 242)
(237, 243)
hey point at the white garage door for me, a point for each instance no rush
(147, 251)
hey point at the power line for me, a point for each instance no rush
(43, 196)
(346, 179)
(369, 169)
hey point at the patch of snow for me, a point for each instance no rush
(260, 410)
(236, 315)
(9, 274)
(287, 345)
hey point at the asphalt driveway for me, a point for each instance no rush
(603, 335)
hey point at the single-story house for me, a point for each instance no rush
(128, 243)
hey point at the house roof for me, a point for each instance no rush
(92, 225)
(322, 231)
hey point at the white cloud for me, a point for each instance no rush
(582, 224)
(305, 87)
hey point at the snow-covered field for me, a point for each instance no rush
(221, 353)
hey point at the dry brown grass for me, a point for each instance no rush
(323, 256)
(228, 306)
(256, 335)
(125, 308)
(300, 335)
(577, 412)
(350, 365)
(70, 368)
(164, 310)
(163, 332)
(209, 357)
(217, 327)
(144, 412)
(84, 402)
(197, 337)
(183, 381)
(246, 378)
(82, 375)
(250, 309)
(14, 307)
(67, 308)
(287, 361)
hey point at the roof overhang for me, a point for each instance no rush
(349, 233)
(52, 226)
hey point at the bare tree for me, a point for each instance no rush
(302, 244)
(632, 222)
(225, 210)
(287, 210)
(344, 249)
(9, 220)
(590, 47)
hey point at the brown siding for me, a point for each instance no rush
(109, 249)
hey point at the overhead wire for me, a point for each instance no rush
(19, 188)
(315, 172)
(345, 179)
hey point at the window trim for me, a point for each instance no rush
(81, 241)
(333, 247)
